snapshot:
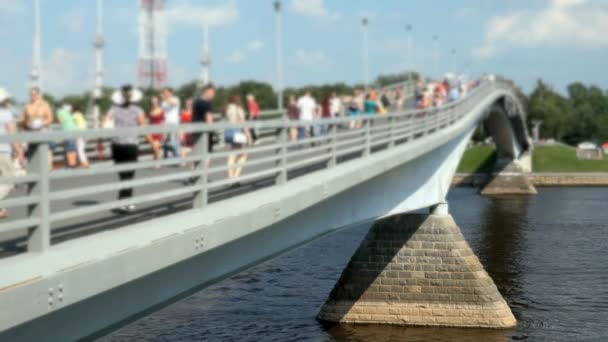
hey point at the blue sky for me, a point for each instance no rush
(558, 40)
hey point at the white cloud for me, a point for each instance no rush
(311, 57)
(314, 8)
(237, 57)
(184, 13)
(562, 22)
(255, 45)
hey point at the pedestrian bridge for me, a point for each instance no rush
(72, 268)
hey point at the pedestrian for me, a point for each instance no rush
(126, 114)
(384, 100)
(307, 107)
(335, 105)
(81, 125)
(358, 107)
(185, 119)
(325, 114)
(64, 117)
(171, 108)
(7, 150)
(293, 113)
(156, 118)
(37, 116)
(254, 113)
(202, 112)
(236, 138)
(371, 103)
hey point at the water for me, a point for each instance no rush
(547, 254)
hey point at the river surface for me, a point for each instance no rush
(547, 254)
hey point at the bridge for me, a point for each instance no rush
(67, 256)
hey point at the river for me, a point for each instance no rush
(547, 254)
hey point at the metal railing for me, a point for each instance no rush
(46, 197)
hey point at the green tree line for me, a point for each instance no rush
(580, 115)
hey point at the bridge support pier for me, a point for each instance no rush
(417, 270)
(511, 178)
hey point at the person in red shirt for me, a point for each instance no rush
(156, 117)
(254, 113)
(185, 118)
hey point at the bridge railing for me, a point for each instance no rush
(47, 200)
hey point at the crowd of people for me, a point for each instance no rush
(166, 110)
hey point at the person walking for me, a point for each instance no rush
(293, 113)
(64, 117)
(171, 108)
(157, 118)
(7, 150)
(254, 113)
(307, 107)
(335, 105)
(37, 116)
(81, 125)
(126, 113)
(236, 138)
(371, 104)
(326, 113)
(186, 119)
(202, 112)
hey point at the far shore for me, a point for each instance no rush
(540, 179)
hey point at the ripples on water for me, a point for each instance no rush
(547, 254)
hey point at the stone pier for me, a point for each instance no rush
(511, 177)
(417, 270)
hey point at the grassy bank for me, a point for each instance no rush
(563, 159)
(480, 159)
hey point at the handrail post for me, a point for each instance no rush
(39, 237)
(201, 147)
(282, 164)
(368, 138)
(333, 131)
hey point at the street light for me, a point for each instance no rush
(279, 36)
(98, 43)
(410, 55)
(454, 61)
(436, 53)
(206, 58)
(365, 23)
(36, 73)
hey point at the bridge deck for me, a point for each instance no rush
(13, 243)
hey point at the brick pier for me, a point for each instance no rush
(417, 270)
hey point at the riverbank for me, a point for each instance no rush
(545, 159)
(540, 179)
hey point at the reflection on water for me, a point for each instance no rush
(547, 254)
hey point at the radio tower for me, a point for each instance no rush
(152, 44)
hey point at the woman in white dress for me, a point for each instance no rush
(236, 138)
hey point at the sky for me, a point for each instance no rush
(560, 41)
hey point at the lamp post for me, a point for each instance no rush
(206, 58)
(454, 65)
(410, 55)
(436, 55)
(98, 44)
(35, 75)
(365, 23)
(279, 37)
